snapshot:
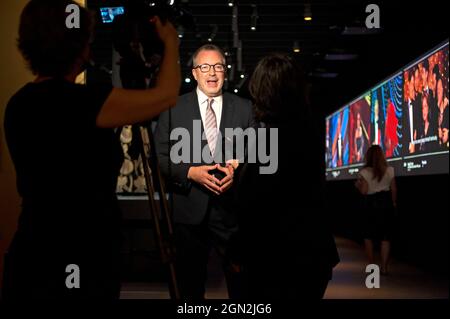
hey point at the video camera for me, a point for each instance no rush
(135, 38)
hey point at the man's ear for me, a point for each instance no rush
(194, 74)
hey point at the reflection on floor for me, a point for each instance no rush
(402, 282)
(348, 282)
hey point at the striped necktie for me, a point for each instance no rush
(211, 126)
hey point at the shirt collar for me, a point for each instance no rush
(202, 97)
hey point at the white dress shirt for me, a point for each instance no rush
(216, 106)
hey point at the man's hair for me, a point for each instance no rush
(206, 47)
(425, 64)
(49, 47)
(436, 72)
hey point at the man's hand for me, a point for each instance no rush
(227, 181)
(234, 163)
(200, 175)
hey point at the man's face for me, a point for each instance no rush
(417, 81)
(424, 109)
(210, 82)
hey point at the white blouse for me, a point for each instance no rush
(374, 185)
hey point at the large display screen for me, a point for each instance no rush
(406, 114)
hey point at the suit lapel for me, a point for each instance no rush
(193, 101)
(195, 115)
(227, 114)
(226, 120)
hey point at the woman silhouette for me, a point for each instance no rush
(376, 182)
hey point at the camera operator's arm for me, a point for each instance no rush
(133, 106)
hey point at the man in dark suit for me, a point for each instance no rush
(203, 209)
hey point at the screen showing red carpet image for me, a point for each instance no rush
(360, 129)
(406, 114)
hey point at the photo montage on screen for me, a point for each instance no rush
(407, 115)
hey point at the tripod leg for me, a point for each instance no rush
(165, 248)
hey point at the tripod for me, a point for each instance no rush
(135, 40)
(159, 211)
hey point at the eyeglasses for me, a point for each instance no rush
(218, 67)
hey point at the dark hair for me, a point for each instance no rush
(49, 47)
(443, 86)
(376, 160)
(425, 64)
(436, 72)
(277, 87)
(207, 47)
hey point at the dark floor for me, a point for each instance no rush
(403, 282)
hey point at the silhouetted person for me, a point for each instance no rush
(58, 130)
(377, 182)
(286, 247)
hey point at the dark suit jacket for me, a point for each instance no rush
(191, 200)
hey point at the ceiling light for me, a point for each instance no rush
(254, 18)
(307, 15)
(180, 31)
(213, 32)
